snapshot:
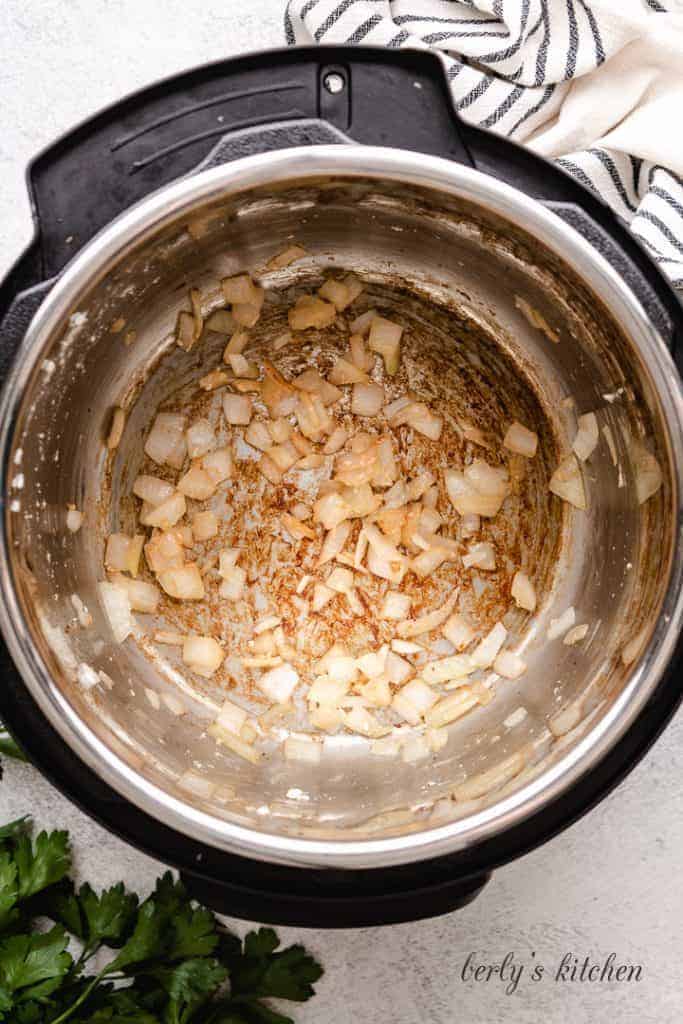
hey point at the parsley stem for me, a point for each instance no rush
(85, 994)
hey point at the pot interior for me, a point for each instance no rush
(472, 289)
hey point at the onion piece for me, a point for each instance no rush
(185, 584)
(487, 650)
(283, 455)
(451, 708)
(227, 559)
(356, 468)
(385, 339)
(344, 372)
(372, 663)
(335, 292)
(241, 367)
(521, 440)
(203, 655)
(391, 571)
(567, 483)
(481, 784)
(295, 528)
(240, 289)
(361, 325)
(361, 721)
(470, 524)
(367, 399)
(234, 743)
(414, 700)
(311, 311)
(509, 665)
(289, 255)
(523, 591)
(118, 422)
(395, 605)
(481, 489)
(218, 465)
(322, 595)
(575, 635)
(117, 610)
(587, 436)
(237, 344)
(165, 442)
(397, 669)
(311, 381)
(646, 470)
(258, 436)
(426, 623)
(214, 379)
(186, 330)
(560, 625)
(334, 542)
(74, 519)
(480, 556)
(204, 525)
(270, 469)
(164, 551)
(122, 553)
(443, 670)
(458, 631)
(200, 438)
(312, 417)
(220, 321)
(231, 717)
(331, 510)
(195, 484)
(234, 580)
(406, 647)
(237, 409)
(279, 683)
(278, 395)
(152, 489)
(336, 440)
(360, 357)
(536, 319)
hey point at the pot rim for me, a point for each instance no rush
(174, 201)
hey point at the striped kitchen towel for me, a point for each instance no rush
(595, 84)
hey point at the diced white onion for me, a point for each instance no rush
(237, 409)
(523, 591)
(117, 610)
(361, 325)
(480, 556)
(204, 525)
(456, 666)
(509, 665)
(587, 436)
(218, 465)
(165, 443)
(200, 437)
(311, 311)
(486, 651)
(414, 700)
(334, 542)
(521, 440)
(279, 683)
(567, 483)
(287, 256)
(451, 708)
(142, 596)
(122, 553)
(646, 470)
(118, 422)
(167, 514)
(185, 584)
(231, 717)
(458, 631)
(152, 489)
(234, 580)
(575, 635)
(203, 655)
(426, 623)
(74, 520)
(367, 399)
(385, 339)
(397, 669)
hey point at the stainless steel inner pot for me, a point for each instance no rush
(481, 256)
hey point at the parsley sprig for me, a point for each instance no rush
(170, 961)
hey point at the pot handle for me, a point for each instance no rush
(369, 95)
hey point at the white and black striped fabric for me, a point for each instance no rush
(595, 84)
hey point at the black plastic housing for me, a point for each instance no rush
(214, 113)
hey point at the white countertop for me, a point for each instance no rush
(611, 883)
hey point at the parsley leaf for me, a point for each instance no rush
(32, 966)
(41, 864)
(262, 972)
(173, 962)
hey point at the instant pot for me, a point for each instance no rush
(357, 154)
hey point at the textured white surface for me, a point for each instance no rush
(611, 883)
